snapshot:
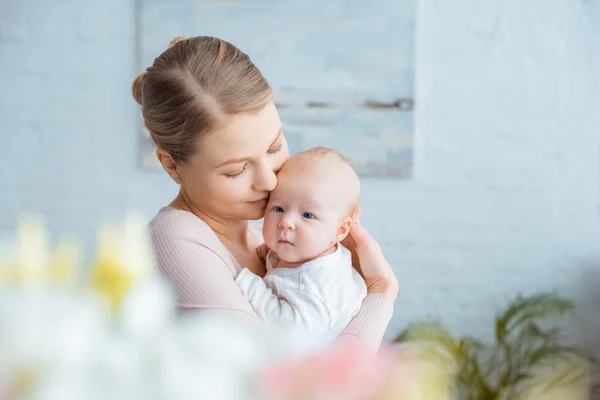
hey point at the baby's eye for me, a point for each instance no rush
(307, 215)
(278, 209)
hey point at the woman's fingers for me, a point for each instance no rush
(368, 255)
(356, 214)
(358, 232)
(362, 238)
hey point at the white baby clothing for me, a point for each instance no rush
(318, 298)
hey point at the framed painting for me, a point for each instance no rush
(342, 71)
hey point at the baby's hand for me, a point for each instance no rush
(262, 250)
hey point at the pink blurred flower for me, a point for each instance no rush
(341, 372)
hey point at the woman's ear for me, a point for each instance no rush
(344, 229)
(168, 164)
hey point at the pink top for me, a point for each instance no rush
(202, 271)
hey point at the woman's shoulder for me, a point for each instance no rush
(172, 218)
(171, 226)
(171, 222)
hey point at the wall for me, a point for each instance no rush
(505, 193)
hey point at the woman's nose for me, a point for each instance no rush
(265, 179)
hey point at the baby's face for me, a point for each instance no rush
(303, 217)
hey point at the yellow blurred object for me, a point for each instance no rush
(63, 262)
(440, 358)
(561, 377)
(123, 257)
(434, 370)
(108, 276)
(32, 250)
(33, 263)
(24, 381)
(7, 271)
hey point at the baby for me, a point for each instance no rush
(310, 286)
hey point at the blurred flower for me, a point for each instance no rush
(432, 369)
(45, 332)
(123, 258)
(440, 359)
(64, 260)
(26, 261)
(347, 372)
(33, 250)
(31, 261)
(559, 377)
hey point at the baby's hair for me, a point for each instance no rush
(322, 151)
(347, 167)
(193, 87)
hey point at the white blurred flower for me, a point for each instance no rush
(46, 332)
(148, 308)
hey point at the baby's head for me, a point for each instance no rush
(310, 210)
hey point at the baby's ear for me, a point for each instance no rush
(344, 229)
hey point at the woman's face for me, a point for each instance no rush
(233, 170)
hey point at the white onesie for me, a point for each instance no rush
(318, 298)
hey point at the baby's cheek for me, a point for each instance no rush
(315, 240)
(269, 230)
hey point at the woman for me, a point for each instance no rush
(218, 135)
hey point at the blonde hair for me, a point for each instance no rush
(344, 170)
(193, 87)
(324, 151)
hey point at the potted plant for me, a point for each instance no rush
(526, 361)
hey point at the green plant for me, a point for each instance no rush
(524, 355)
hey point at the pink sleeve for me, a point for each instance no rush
(191, 257)
(371, 321)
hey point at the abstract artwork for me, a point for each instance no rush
(342, 71)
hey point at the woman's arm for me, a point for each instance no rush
(191, 258)
(370, 323)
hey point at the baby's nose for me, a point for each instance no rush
(286, 223)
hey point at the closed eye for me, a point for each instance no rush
(237, 174)
(276, 149)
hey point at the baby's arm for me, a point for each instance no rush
(291, 309)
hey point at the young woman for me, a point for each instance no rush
(218, 135)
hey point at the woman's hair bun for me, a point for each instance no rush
(175, 40)
(136, 88)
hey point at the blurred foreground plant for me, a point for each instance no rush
(527, 361)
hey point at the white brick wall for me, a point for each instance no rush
(505, 193)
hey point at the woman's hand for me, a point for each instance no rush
(262, 251)
(368, 259)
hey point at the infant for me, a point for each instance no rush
(310, 286)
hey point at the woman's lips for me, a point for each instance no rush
(260, 202)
